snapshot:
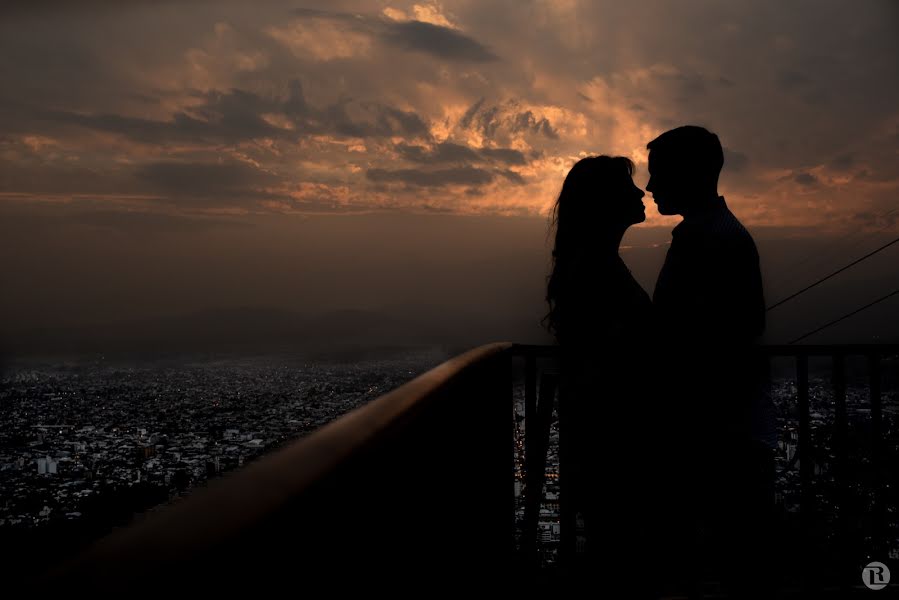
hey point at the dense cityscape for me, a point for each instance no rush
(85, 445)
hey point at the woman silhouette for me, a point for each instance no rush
(591, 292)
(601, 318)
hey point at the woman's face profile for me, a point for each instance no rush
(626, 201)
(635, 200)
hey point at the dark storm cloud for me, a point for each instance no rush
(442, 42)
(527, 122)
(445, 152)
(493, 119)
(383, 121)
(504, 155)
(805, 179)
(237, 115)
(512, 176)
(393, 121)
(238, 112)
(182, 127)
(436, 40)
(228, 116)
(469, 115)
(449, 152)
(437, 178)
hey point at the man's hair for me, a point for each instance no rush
(693, 145)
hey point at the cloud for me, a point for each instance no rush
(328, 94)
(434, 39)
(509, 156)
(445, 152)
(239, 115)
(438, 41)
(805, 179)
(180, 128)
(495, 120)
(208, 183)
(512, 176)
(436, 178)
(450, 152)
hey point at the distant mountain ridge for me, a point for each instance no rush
(264, 329)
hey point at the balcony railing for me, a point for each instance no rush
(810, 569)
(415, 487)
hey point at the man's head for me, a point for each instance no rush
(684, 164)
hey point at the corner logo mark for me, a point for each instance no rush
(876, 575)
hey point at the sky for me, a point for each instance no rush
(172, 157)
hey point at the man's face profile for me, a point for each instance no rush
(664, 184)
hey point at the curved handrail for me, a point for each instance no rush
(226, 507)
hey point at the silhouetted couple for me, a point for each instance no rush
(660, 395)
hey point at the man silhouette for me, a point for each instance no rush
(710, 285)
(710, 309)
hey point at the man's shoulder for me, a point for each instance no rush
(720, 231)
(729, 226)
(723, 223)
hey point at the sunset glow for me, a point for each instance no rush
(460, 106)
(208, 139)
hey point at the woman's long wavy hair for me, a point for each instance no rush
(576, 216)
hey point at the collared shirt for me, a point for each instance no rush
(710, 287)
(710, 308)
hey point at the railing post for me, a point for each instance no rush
(530, 401)
(877, 457)
(806, 466)
(841, 468)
